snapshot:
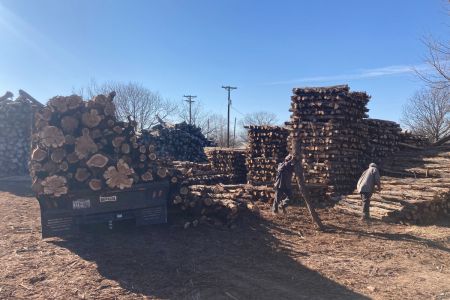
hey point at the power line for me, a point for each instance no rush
(190, 101)
(228, 88)
(237, 111)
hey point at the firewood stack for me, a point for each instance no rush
(202, 173)
(218, 205)
(15, 133)
(228, 161)
(81, 145)
(182, 142)
(327, 121)
(268, 146)
(383, 138)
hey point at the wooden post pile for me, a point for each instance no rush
(79, 144)
(327, 121)
(382, 140)
(415, 188)
(202, 173)
(268, 146)
(182, 142)
(409, 140)
(228, 161)
(212, 204)
(15, 133)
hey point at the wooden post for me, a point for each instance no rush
(298, 169)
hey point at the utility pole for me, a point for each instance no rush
(190, 101)
(228, 88)
(234, 133)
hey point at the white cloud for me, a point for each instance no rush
(360, 74)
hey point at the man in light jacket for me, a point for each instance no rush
(283, 184)
(366, 186)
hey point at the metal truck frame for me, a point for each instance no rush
(62, 216)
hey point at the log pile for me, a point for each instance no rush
(228, 161)
(218, 205)
(383, 138)
(15, 133)
(203, 173)
(415, 188)
(268, 146)
(328, 121)
(81, 145)
(408, 139)
(181, 141)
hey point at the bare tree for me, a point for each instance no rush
(259, 118)
(135, 100)
(438, 59)
(218, 129)
(427, 113)
(199, 116)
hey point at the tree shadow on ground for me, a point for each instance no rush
(389, 236)
(17, 185)
(204, 263)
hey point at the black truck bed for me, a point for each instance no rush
(62, 216)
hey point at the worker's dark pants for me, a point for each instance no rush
(365, 197)
(279, 201)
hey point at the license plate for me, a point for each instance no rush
(81, 203)
(108, 198)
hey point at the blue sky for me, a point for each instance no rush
(265, 48)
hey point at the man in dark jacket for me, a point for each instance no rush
(283, 184)
(366, 186)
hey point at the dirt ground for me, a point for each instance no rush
(265, 257)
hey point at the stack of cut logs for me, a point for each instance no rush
(213, 204)
(383, 138)
(415, 188)
(202, 173)
(326, 123)
(267, 148)
(15, 132)
(228, 161)
(78, 144)
(181, 142)
(407, 139)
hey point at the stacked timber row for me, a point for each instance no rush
(409, 140)
(181, 142)
(79, 144)
(228, 161)
(15, 133)
(216, 205)
(268, 146)
(415, 188)
(327, 122)
(382, 140)
(202, 173)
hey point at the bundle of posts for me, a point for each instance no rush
(409, 140)
(382, 140)
(212, 204)
(228, 161)
(81, 145)
(15, 133)
(326, 124)
(182, 142)
(268, 146)
(202, 173)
